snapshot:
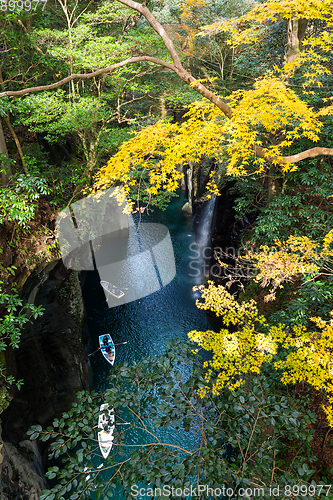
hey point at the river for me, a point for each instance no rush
(164, 315)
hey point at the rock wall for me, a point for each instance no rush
(52, 362)
(20, 471)
(51, 358)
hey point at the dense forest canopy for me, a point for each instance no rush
(100, 93)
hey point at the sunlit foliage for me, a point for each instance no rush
(239, 349)
(156, 152)
(267, 121)
(150, 161)
(250, 342)
(244, 29)
(248, 29)
(290, 259)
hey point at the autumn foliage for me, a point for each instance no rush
(249, 341)
(249, 131)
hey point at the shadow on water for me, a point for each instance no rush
(148, 325)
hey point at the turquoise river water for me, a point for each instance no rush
(164, 315)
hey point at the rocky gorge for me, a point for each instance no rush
(51, 360)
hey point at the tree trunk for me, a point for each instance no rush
(182, 169)
(295, 34)
(188, 207)
(163, 108)
(5, 167)
(17, 142)
(184, 75)
(232, 64)
(274, 184)
(3, 148)
(189, 175)
(302, 25)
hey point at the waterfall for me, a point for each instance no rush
(203, 241)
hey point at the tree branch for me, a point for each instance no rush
(177, 68)
(17, 142)
(85, 76)
(309, 153)
(154, 23)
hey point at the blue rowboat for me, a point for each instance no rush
(107, 347)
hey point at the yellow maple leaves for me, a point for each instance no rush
(153, 157)
(155, 154)
(270, 108)
(249, 28)
(251, 342)
(290, 259)
(312, 361)
(265, 121)
(244, 29)
(144, 158)
(235, 353)
(314, 61)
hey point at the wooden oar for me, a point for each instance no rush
(120, 343)
(94, 352)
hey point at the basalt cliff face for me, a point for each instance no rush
(50, 359)
(52, 362)
(21, 471)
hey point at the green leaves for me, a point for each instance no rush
(16, 200)
(5, 106)
(47, 495)
(57, 114)
(10, 332)
(227, 437)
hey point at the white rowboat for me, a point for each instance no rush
(106, 425)
(112, 289)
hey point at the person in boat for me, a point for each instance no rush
(106, 428)
(108, 420)
(105, 340)
(109, 353)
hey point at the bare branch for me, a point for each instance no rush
(177, 68)
(86, 76)
(154, 23)
(309, 153)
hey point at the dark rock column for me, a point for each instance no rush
(51, 358)
(20, 472)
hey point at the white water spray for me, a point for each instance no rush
(204, 239)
